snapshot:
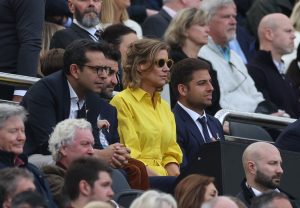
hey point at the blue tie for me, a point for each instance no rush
(204, 129)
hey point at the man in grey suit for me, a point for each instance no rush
(84, 26)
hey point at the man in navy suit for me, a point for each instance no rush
(84, 26)
(155, 25)
(289, 139)
(73, 93)
(191, 82)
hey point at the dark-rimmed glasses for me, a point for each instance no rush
(161, 62)
(100, 69)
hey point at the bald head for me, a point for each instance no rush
(276, 34)
(258, 150)
(262, 166)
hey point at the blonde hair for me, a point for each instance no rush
(184, 19)
(140, 52)
(295, 16)
(107, 14)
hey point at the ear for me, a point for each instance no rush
(142, 67)
(182, 90)
(251, 167)
(74, 71)
(63, 150)
(269, 34)
(84, 188)
(71, 6)
(7, 203)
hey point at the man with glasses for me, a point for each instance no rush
(85, 23)
(237, 89)
(73, 93)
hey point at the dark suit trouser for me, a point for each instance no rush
(6, 92)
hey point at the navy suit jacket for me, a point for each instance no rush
(63, 38)
(289, 139)
(48, 102)
(189, 136)
(156, 25)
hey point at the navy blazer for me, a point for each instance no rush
(189, 136)
(48, 102)
(156, 25)
(289, 139)
(63, 38)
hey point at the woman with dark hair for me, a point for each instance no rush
(194, 190)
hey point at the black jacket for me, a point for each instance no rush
(41, 184)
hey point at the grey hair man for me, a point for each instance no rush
(12, 139)
(232, 75)
(262, 165)
(86, 18)
(14, 181)
(71, 139)
(271, 199)
(220, 202)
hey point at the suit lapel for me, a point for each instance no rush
(190, 125)
(80, 32)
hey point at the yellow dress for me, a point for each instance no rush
(148, 129)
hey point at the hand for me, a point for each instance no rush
(172, 169)
(120, 156)
(17, 98)
(103, 124)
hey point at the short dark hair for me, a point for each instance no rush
(182, 71)
(264, 200)
(86, 168)
(32, 198)
(10, 178)
(52, 61)
(75, 53)
(113, 34)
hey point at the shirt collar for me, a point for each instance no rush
(139, 94)
(194, 115)
(73, 96)
(280, 66)
(90, 30)
(170, 11)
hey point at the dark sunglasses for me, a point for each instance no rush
(162, 62)
(100, 69)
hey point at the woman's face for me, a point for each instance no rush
(125, 42)
(198, 34)
(210, 192)
(155, 78)
(122, 4)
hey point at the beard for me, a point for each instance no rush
(87, 20)
(266, 181)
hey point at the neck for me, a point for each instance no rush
(149, 89)
(176, 6)
(80, 202)
(117, 16)
(197, 109)
(268, 47)
(259, 187)
(191, 49)
(79, 92)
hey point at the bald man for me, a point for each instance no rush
(262, 165)
(220, 202)
(276, 37)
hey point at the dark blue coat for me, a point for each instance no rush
(289, 139)
(189, 136)
(48, 102)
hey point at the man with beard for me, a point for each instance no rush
(84, 26)
(237, 90)
(276, 38)
(262, 165)
(191, 83)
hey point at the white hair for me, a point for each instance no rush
(211, 6)
(63, 134)
(10, 110)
